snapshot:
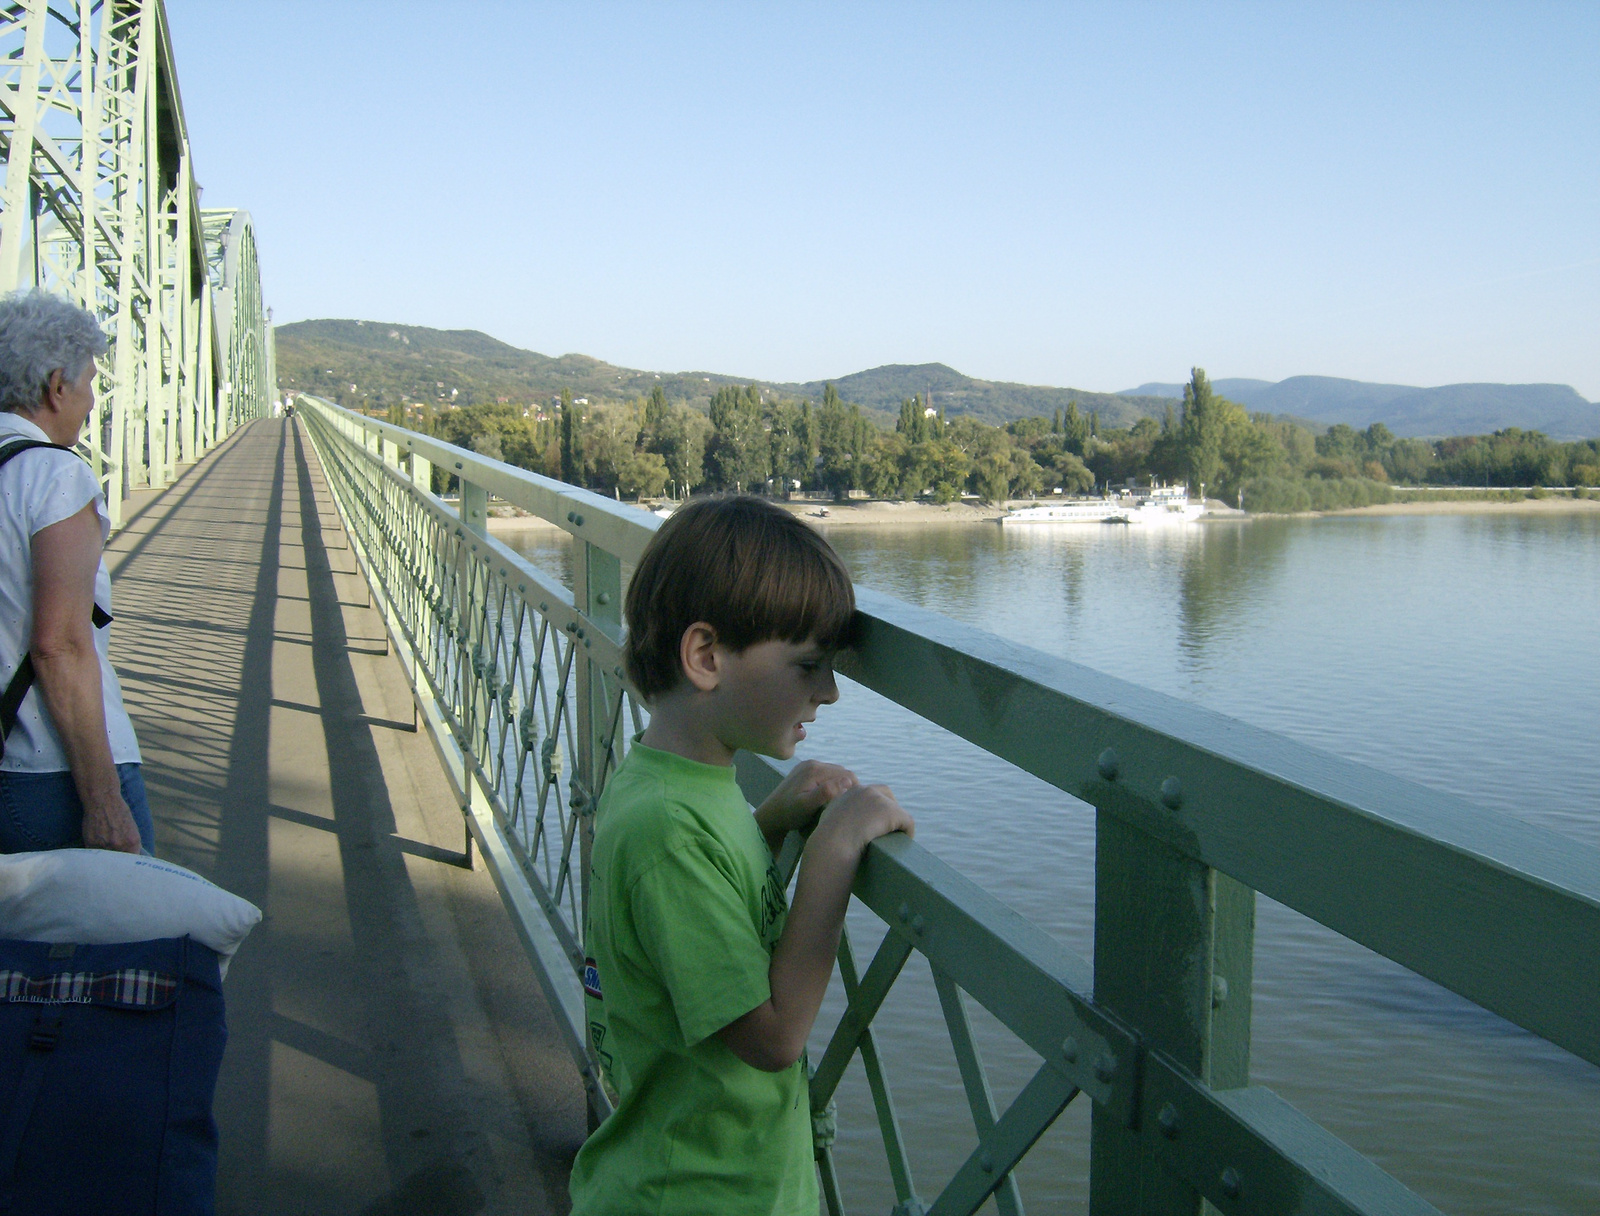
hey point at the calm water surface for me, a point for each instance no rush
(1458, 651)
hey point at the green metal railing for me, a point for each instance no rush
(521, 681)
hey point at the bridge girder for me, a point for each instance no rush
(100, 204)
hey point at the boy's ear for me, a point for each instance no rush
(697, 654)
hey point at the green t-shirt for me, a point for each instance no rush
(685, 906)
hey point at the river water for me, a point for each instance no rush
(1460, 651)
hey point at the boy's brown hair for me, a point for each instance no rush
(747, 568)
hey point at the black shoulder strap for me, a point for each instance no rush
(22, 445)
(22, 681)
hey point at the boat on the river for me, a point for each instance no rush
(1069, 511)
(1124, 504)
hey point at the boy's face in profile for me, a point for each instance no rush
(768, 691)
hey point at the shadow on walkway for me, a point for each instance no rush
(389, 1050)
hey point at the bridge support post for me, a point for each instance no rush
(597, 588)
(475, 507)
(1173, 952)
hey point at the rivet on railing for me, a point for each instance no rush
(1069, 1049)
(579, 799)
(986, 1161)
(1105, 1067)
(1168, 1119)
(904, 913)
(1107, 764)
(458, 464)
(1219, 991)
(1171, 793)
(1232, 1184)
(918, 925)
(604, 597)
(571, 516)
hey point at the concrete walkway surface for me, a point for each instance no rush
(389, 1049)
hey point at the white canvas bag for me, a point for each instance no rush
(95, 897)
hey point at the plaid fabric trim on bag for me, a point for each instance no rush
(130, 988)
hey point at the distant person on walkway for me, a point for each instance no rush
(70, 773)
(703, 983)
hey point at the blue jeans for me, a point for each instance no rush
(42, 810)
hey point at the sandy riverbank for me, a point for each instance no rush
(1553, 505)
(519, 523)
(837, 514)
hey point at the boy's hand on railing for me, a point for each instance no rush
(810, 786)
(859, 816)
(773, 1034)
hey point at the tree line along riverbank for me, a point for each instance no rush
(650, 446)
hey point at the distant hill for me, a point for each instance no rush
(1453, 409)
(389, 362)
(994, 401)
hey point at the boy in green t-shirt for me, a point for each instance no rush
(702, 984)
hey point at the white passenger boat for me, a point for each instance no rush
(1124, 504)
(1069, 511)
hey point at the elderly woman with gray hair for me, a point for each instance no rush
(69, 776)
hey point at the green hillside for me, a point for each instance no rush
(387, 364)
(376, 364)
(993, 401)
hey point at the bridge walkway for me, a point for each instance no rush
(389, 1048)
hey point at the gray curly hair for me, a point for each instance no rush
(39, 334)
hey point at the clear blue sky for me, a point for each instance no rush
(1084, 195)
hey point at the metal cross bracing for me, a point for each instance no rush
(520, 680)
(100, 204)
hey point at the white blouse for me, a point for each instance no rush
(39, 488)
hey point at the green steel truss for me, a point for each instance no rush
(100, 205)
(520, 680)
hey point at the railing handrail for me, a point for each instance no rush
(1503, 912)
(619, 529)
